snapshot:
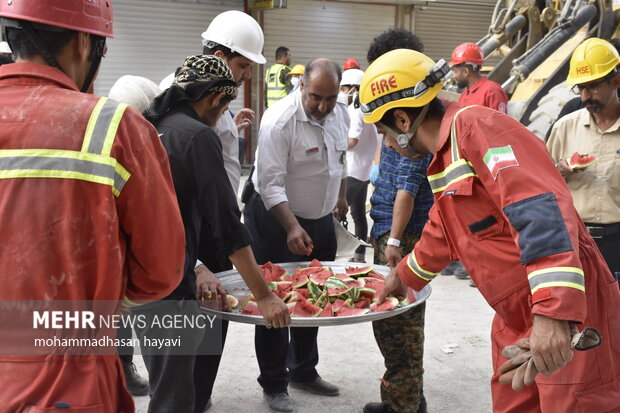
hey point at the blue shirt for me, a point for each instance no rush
(397, 172)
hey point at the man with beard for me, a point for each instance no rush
(467, 59)
(594, 130)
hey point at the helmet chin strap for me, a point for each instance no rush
(404, 138)
(96, 54)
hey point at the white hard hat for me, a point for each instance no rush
(239, 32)
(4, 48)
(352, 77)
(136, 91)
(166, 82)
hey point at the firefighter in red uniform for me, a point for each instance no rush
(518, 235)
(87, 206)
(467, 60)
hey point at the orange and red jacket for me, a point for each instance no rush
(487, 93)
(502, 208)
(87, 212)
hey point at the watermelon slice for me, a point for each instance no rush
(358, 271)
(390, 303)
(359, 283)
(283, 288)
(328, 311)
(344, 277)
(233, 302)
(363, 303)
(303, 308)
(578, 161)
(373, 283)
(346, 311)
(299, 280)
(272, 272)
(337, 304)
(315, 263)
(290, 306)
(374, 274)
(320, 277)
(251, 308)
(314, 291)
(366, 292)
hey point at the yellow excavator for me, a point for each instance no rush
(532, 42)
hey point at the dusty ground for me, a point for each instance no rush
(349, 357)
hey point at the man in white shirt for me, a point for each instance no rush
(300, 181)
(361, 150)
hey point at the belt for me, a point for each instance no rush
(600, 231)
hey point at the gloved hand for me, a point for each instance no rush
(374, 173)
(520, 369)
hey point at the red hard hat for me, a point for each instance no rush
(467, 53)
(88, 16)
(351, 63)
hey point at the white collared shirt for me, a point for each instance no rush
(226, 130)
(360, 157)
(300, 161)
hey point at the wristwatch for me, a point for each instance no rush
(394, 242)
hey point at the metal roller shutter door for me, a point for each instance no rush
(443, 26)
(153, 37)
(312, 29)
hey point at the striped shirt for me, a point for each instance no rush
(396, 172)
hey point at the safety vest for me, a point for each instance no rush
(276, 90)
(92, 163)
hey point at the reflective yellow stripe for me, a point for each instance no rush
(412, 263)
(455, 172)
(112, 129)
(571, 277)
(454, 148)
(50, 163)
(94, 115)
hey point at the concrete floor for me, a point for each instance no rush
(457, 382)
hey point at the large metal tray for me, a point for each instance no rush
(234, 285)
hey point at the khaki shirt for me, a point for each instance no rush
(596, 190)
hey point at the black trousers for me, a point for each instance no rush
(357, 192)
(126, 352)
(282, 358)
(180, 383)
(610, 249)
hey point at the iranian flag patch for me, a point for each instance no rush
(497, 159)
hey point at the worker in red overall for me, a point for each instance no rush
(502, 208)
(467, 60)
(88, 211)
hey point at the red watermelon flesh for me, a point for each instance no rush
(358, 271)
(328, 310)
(334, 292)
(251, 308)
(302, 292)
(577, 161)
(337, 304)
(303, 308)
(272, 272)
(390, 303)
(374, 274)
(346, 311)
(374, 283)
(315, 263)
(299, 280)
(363, 303)
(290, 306)
(320, 277)
(344, 277)
(359, 283)
(283, 288)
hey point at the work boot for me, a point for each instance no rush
(280, 402)
(449, 270)
(381, 407)
(318, 386)
(136, 385)
(460, 272)
(374, 407)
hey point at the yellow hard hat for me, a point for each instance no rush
(397, 79)
(591, 60)
(297, 70)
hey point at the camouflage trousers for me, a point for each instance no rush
(401, 341)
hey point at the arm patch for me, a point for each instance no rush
(541, 228)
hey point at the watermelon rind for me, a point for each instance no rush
(314, 291)
(578, 161)
(251, 308)
(233, 302)
(390, 303)
(358, 271)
